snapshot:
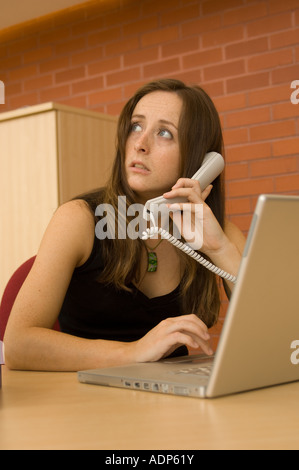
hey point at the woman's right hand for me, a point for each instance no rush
(170, 334)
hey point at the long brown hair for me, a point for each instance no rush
(199, 132)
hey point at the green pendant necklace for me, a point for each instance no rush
(152, 262)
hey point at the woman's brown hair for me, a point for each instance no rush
(199, 132)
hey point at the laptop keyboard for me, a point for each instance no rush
(201, 370)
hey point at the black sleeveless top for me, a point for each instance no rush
(97, 311)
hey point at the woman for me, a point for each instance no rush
(111, 309)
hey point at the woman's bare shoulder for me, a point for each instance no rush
(72, 227)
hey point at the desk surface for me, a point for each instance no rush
(52, 410)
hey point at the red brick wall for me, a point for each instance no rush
(245, 53)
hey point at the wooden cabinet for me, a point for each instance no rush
(49, 153)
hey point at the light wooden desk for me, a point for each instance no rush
(44, 410)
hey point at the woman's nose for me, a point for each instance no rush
(142, 144)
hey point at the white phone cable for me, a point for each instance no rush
(151, 232)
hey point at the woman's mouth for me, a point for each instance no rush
(139, 167)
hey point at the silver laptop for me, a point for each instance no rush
(261, 326)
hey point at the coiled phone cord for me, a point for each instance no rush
(150, 232)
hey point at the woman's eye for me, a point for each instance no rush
(165, 133)
(136, 127)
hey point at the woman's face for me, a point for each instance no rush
(152, 159)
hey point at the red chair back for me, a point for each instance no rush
(11, 291)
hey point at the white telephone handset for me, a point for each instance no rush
(211, 167)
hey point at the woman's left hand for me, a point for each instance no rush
(194, 219)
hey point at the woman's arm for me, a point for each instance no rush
(30, 343)
(225, 246)
(228, 256)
